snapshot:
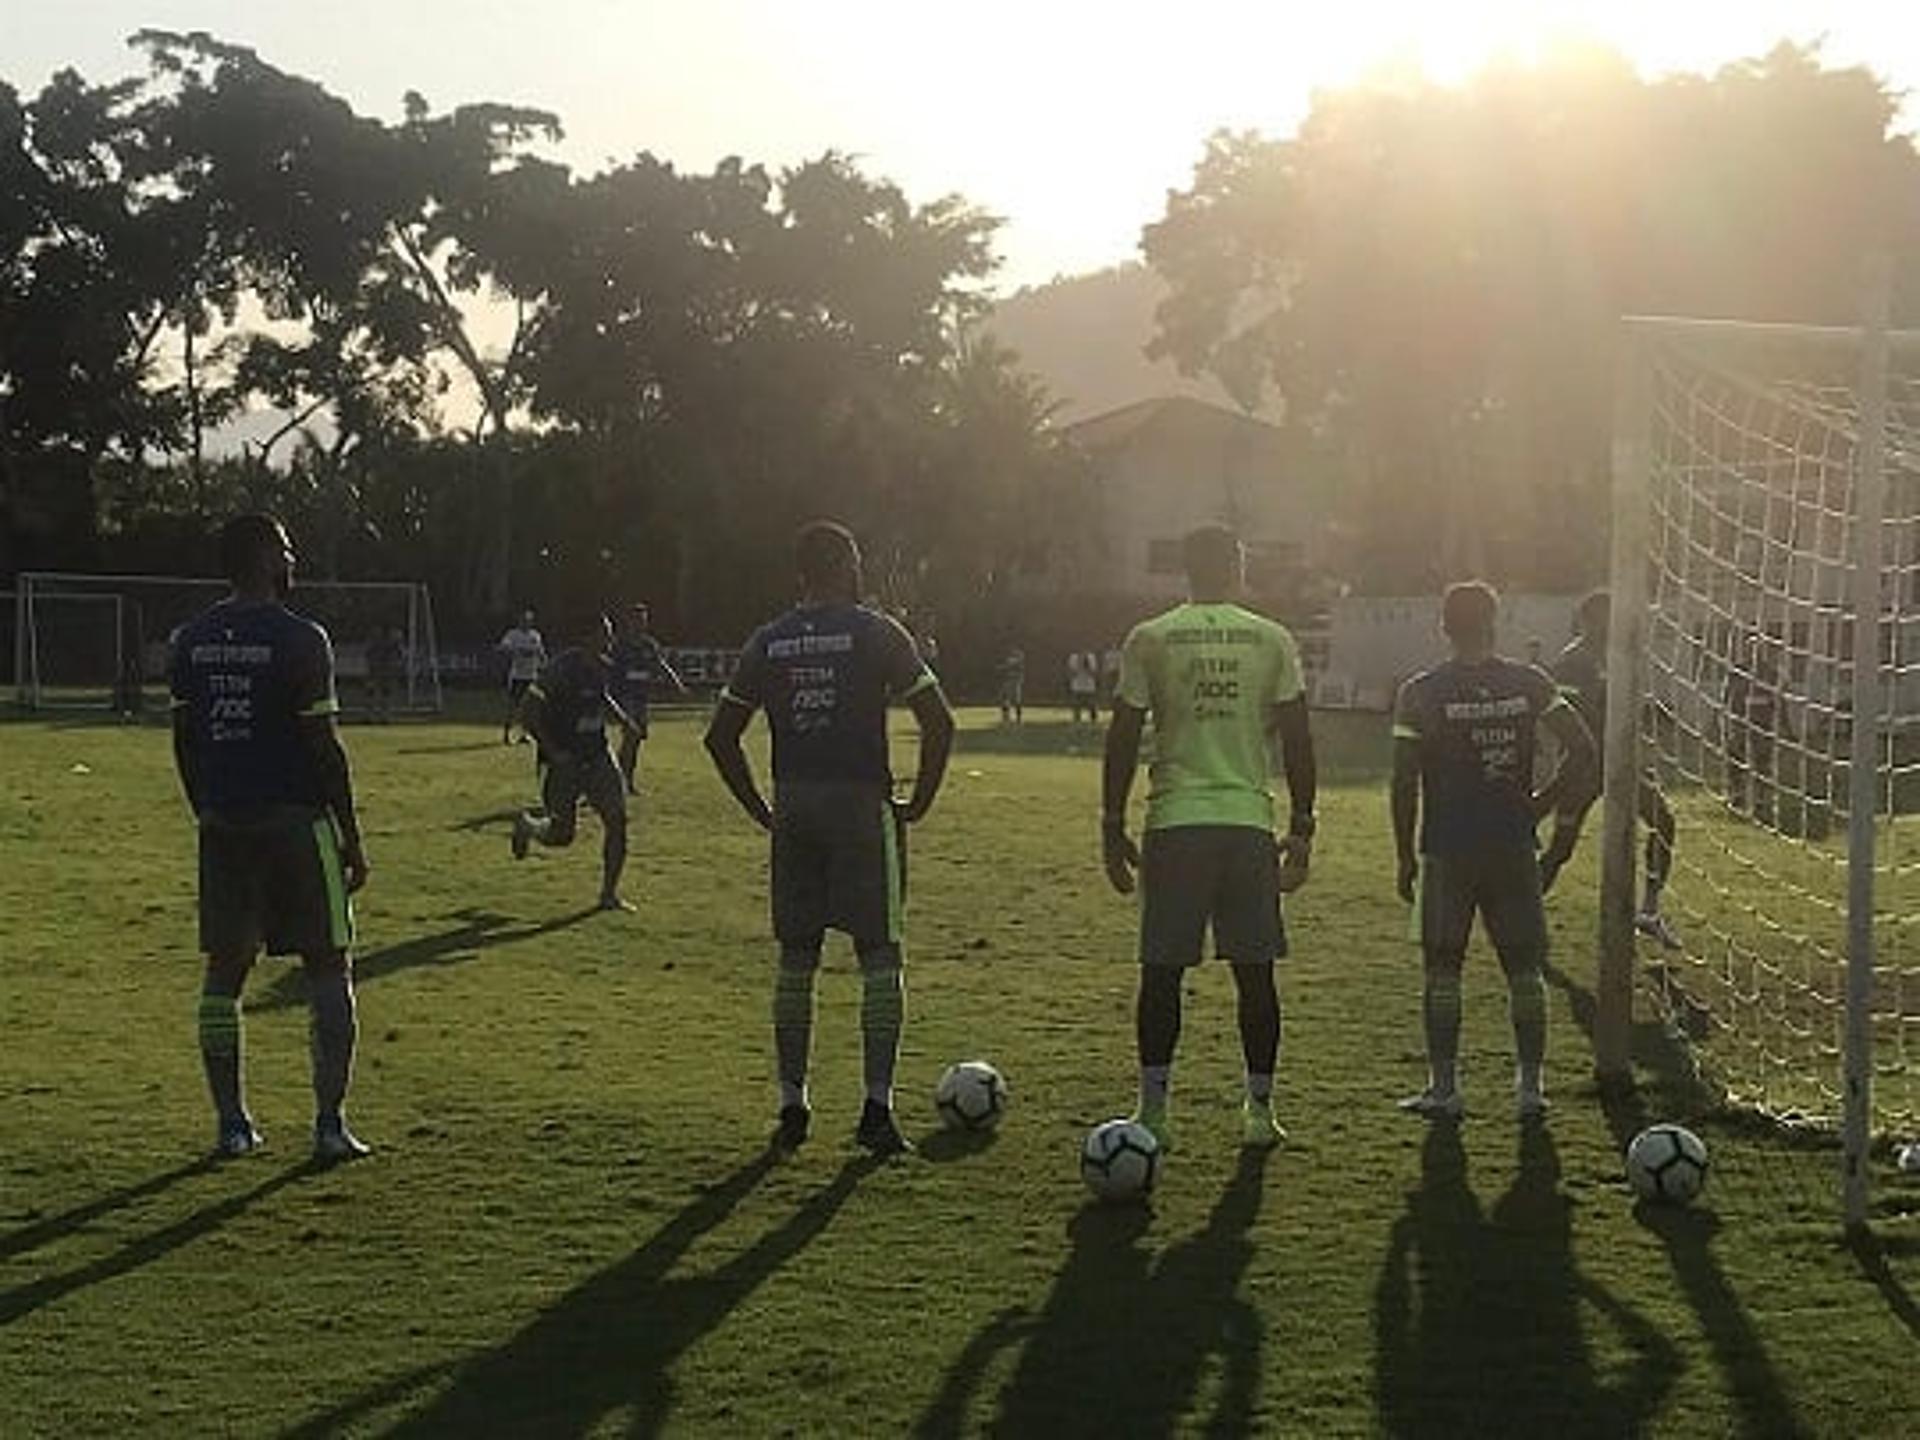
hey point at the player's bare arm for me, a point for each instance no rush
(934, 717)
(1122, 759)
(1576, 780)
(1290, 721)
(1404, 800)
(322, 739)
(183, 762)
(620, 716)
(729, 723)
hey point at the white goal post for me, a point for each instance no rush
(101, 641)
(1764, 661)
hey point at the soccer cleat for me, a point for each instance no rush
(1432, 1104)
(791, 1131)
(522, 836)
(611, 901)
(1153, 1119)
(1530, 1103)
(1258, 1127)
(334, 1143)
(879, 1132)
(237, 1139)
(1655, 926)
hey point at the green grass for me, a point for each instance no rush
(569, 1227)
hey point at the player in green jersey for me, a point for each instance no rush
(1218, 681)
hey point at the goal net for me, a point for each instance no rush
(84, 641)
(1757, 482)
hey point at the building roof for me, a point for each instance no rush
(1129, 422)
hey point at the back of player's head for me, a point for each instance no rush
(1468, 611)
(251, 547)
(1212, 557)
(1590, 616)
(826, 557)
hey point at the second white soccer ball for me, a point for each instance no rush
(971, 1095)
(1120, 1160)
(1668, 1163)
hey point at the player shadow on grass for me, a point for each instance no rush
(54, 1227)
(1478, 1319)
(608, 1345)
(1687, 1233)
(1870, 1252)
(477, 931)
(1122, 1343)
(24, 1299)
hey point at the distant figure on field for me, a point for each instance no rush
(386, 656)
(526, 652)
(1083, 685)
(638, 661)
(1013, 686)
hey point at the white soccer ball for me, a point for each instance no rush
(971, 1095)
(1120, 1160)
(1668, 1163)
(1907, 1157)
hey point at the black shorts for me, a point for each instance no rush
(517, 688)
(1502, 885)
(566, 780)
(273, 882)
(1226, 876)
(839, 863)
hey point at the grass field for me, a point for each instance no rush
(571, 1227)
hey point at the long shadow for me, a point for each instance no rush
(25, 1299)
(1034, 737)
(1688, 1234)
(1121, 1343)
(53, 1227)
(1477, 1317)
(610, 1344)
(464, 747)
(1871, 1253)
(484, 821)
(478, 930)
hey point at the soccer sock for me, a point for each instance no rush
(1156, 1083)
(1157, 1030)
(1442, 1013)
(1259, 1007)
(613, 856)
(793, 1024)
(333, 1030)
(1527, 1005)
(882, 1014)
(220, 1046)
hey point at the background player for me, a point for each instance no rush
(637, 661)
(825, 673)
(1581, 672)
(526, 652)
(280, 852)
(566, 711)
(1217, 679)
(1463, 767)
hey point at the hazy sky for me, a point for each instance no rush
(1071, 120)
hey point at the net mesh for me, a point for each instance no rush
(1747, 727)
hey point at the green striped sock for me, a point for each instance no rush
(220, 1045)
(1443, 1027)
(882, 1016)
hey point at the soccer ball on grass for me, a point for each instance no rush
(1120, 1160)
(1667, 1163)
(971, 1095)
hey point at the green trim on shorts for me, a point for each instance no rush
(339, 910)
(890, 844)
(927, 677)
(1406, 732)
(326, 705)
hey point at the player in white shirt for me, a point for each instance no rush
(526, 653)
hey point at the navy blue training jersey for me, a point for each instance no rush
(825, 675)
(246, 673)
(1474, 723)
(636, 661)
(573, 689)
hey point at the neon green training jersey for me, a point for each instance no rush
(1210, 676)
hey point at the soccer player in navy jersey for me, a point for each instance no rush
(261, 762)
(637, 661)
(1463, 768)
(566, 712)
(825, 673)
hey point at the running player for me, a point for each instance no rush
(637, 661)
(260, 760)
(825, 673)
(526, 652)
(1218, 680)
(567, 710)
(1463, 767)
(1582, 673)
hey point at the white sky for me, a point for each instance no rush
(1070, 120)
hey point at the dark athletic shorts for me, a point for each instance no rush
(839, 863)
(1226, 876)
(274, 881)
(1502, 885)
(566, 780)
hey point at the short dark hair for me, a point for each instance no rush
(246, 541)
(1468, 609)
(1594, 606)
(823, 550)
(1210, 554)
